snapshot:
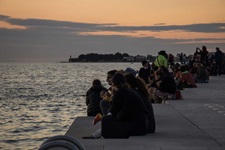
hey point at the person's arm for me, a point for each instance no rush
(158, 81)
(165, 63)
(87, 98)
(140, 73)
(87, 101)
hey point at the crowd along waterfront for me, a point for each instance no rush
(41, 100)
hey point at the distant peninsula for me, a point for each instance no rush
(117, 57)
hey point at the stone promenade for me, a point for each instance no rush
(195, 123)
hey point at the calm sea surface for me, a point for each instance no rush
(41, 100)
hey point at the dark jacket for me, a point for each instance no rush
(168, 84)
(204, 56)
(219, 56)
(93, 100)
(126, 104)
(150, 112)
(144, 74)
(129, 116)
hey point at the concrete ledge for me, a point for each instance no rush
(173, 131)
(82, 126)
(195, 123)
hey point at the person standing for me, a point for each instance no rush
(93, 98)
(171, 60)
(203, 55)
(181, 58)
(161, 59)
(219, 56)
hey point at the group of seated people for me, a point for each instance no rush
(166, 80)
(164, 84)
(126, 107)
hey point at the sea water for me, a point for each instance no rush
(41, 100)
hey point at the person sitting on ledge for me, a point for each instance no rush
(186, 79)
(106, 102)
(93, 98)
(138, 85)
(165, 86)
(128, 114)
(202, 74)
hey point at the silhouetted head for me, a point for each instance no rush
(130, 80)
(96, 82)
(118, 80)
(130, 70)
(183, 68)
(204, 48)
(163, 53)
(109, 76)
(144, 62)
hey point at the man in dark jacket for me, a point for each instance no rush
(219, 56)
(93, 98)
(129, 114)
(144, 71)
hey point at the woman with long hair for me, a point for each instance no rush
(138, 85)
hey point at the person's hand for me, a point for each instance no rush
(97, 118)
(158, 83)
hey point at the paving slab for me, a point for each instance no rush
(204, 107)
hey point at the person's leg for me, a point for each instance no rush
(95, 135)
(219, 69)
(114, 129)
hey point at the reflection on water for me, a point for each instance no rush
(41, 100)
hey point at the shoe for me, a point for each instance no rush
(88, 137)
(97, 118)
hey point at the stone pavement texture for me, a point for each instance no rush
(195, 123)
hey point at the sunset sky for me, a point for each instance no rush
(52, 30)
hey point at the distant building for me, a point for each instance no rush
(151, 58)
(139, 58)
(128, 59)
(72, 59)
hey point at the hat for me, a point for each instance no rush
(118, 78)
(162, 52)
(130, 70)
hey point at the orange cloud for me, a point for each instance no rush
(10, 26)
(125, 12)
(161, 35)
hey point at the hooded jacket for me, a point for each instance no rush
(93, 100)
